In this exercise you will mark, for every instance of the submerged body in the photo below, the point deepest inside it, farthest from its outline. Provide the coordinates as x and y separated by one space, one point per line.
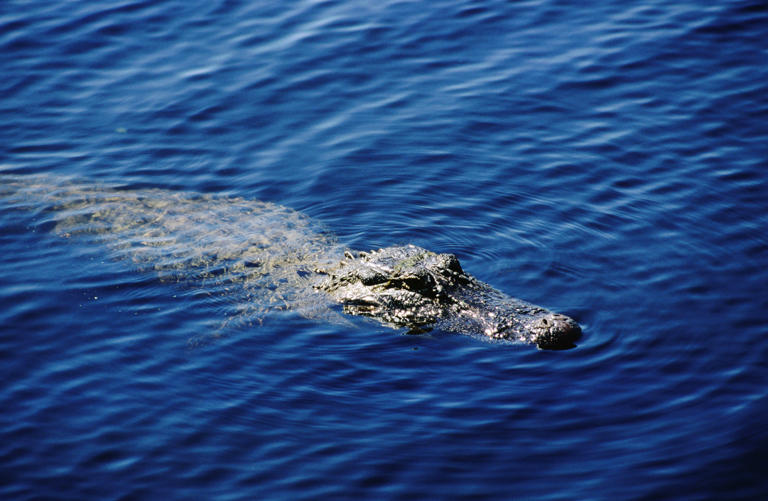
277 258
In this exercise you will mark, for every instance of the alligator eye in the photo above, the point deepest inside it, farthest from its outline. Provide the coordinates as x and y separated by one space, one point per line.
372 278
416 283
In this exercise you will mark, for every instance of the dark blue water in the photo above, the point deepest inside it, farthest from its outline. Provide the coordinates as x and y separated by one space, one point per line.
608 161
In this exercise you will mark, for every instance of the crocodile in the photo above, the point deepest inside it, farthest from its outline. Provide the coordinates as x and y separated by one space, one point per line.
266 257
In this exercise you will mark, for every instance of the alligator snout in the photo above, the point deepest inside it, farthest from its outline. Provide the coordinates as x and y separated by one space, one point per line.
555 332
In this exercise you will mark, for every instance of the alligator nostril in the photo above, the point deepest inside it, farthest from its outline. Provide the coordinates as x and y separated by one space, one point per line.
557 332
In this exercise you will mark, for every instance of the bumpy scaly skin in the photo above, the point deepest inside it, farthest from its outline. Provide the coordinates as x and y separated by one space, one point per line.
411 287
264 257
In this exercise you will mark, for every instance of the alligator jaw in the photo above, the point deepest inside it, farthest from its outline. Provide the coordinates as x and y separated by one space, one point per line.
498 316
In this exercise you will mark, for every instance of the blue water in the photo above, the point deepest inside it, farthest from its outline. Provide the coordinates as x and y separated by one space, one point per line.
605 160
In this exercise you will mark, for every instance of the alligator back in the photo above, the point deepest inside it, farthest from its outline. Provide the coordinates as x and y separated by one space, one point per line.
264 252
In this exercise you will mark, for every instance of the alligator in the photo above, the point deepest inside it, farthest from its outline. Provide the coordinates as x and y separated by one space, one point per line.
270 257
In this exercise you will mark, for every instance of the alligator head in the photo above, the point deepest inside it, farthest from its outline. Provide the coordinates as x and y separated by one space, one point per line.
414 288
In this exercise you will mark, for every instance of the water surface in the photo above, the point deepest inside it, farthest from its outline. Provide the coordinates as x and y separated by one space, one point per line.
607 162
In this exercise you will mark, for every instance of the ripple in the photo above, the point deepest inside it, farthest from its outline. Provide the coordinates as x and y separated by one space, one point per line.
604 162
